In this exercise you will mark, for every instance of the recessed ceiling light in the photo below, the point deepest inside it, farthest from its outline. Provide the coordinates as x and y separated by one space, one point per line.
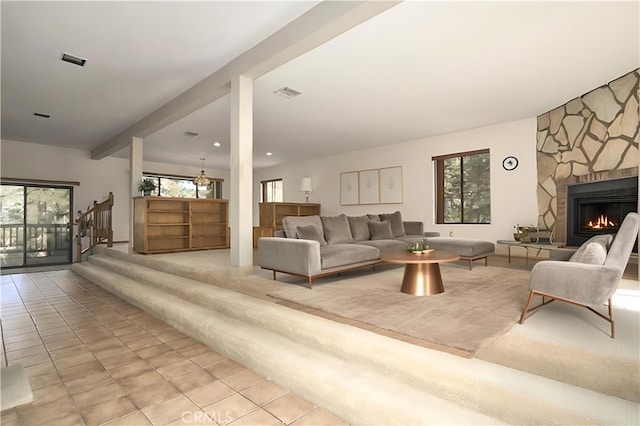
73 59
192 134
216 144
269 153
41 115
287 92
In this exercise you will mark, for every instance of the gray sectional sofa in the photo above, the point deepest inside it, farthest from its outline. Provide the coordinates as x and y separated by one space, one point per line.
315 246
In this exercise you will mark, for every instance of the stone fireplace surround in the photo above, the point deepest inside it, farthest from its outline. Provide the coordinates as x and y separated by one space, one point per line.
591 138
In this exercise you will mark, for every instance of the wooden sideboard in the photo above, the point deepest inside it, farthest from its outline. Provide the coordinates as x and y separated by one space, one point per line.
271 214
165 225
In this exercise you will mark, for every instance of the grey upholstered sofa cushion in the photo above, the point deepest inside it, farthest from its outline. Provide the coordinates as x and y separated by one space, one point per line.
386 245
334 255
468 247
380 230
397 227
413 239
310 232
290 223
359 228
336 229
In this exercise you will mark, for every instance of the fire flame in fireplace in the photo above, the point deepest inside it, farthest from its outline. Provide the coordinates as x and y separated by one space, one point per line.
601 223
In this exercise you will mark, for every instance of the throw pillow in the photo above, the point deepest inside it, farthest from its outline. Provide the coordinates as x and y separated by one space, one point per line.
593 251
310 232
397 227
374 217
359 227
380 230
336 229
290 223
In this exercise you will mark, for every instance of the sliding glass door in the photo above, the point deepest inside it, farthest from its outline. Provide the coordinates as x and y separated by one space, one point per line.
35 226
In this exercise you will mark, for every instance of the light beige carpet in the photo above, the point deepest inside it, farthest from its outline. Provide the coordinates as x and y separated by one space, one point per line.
476 308
570 344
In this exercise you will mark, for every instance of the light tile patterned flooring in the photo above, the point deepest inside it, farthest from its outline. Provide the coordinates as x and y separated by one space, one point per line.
93 359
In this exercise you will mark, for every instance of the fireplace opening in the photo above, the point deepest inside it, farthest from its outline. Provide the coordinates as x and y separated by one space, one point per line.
599 208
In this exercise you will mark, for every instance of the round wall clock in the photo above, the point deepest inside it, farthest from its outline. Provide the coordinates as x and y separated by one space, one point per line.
510 163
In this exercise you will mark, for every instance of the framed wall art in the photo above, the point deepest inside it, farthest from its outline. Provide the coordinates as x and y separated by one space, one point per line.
369 186
349 188
391 185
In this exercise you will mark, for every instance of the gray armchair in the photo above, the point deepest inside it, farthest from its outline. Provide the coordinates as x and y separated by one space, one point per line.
590 278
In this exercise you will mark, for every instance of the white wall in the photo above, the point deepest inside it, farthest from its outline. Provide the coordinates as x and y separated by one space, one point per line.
97 177
513 194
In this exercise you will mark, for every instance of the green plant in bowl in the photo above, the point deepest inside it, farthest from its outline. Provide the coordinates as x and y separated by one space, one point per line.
419 248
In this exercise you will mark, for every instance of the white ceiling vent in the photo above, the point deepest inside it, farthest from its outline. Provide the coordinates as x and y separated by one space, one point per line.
73 59
287 92
192 134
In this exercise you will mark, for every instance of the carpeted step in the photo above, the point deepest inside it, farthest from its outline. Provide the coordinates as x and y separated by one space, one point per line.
477 385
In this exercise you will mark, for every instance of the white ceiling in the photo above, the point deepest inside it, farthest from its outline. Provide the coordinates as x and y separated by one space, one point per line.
416 70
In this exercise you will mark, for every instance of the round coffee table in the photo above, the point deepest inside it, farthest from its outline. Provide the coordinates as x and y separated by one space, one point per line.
421 272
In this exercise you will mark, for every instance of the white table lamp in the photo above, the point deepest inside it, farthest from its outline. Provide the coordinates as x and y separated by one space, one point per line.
305 186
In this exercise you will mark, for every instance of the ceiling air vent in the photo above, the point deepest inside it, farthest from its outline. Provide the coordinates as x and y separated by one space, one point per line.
41 115
73 59
192 134
287 92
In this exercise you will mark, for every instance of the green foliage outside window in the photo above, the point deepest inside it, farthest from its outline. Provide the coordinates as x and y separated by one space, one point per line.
183 187
464 192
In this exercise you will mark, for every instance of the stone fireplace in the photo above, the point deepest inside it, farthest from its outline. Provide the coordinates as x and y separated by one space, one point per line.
591 139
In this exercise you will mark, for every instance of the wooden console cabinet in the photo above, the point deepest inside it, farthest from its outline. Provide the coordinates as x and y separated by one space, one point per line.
271 214
166 225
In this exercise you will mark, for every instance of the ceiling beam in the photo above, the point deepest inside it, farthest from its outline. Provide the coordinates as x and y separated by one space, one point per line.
315 27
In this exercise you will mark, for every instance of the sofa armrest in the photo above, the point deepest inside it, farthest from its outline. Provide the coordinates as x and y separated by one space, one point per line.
578 282
413 227
289 255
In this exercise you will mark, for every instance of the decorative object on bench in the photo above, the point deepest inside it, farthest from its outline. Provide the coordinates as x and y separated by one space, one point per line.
557 251
590 277
521 233
532 234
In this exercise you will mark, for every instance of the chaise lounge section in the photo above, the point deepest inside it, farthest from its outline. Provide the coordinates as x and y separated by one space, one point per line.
468 249
317 246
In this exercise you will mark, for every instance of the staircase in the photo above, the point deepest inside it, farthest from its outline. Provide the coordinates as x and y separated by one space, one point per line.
360 376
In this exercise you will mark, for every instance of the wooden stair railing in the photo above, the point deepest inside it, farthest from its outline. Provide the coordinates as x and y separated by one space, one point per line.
95 225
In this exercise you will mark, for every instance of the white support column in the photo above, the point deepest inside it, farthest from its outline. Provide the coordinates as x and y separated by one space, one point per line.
135 168
240 201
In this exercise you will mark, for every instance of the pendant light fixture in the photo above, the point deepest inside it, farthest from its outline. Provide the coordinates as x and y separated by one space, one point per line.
201 179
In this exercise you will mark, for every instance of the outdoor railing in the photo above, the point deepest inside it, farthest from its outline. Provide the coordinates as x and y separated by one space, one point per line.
40 238
94 227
